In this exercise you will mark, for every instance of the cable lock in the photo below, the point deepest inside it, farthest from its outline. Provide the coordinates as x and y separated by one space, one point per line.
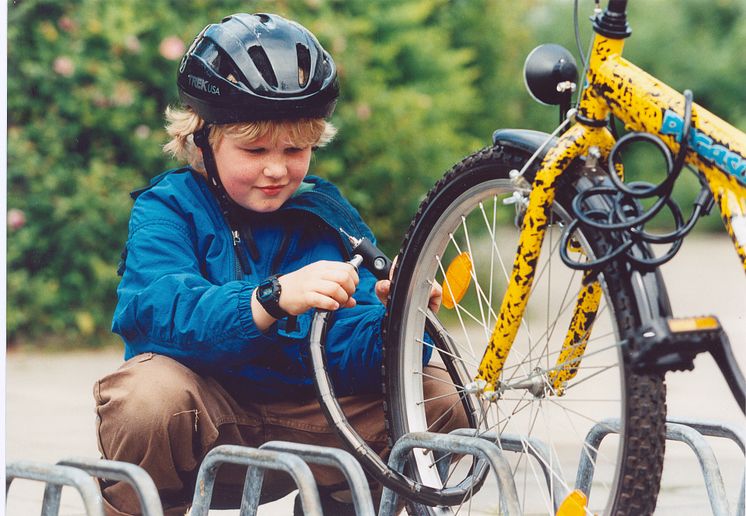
623 215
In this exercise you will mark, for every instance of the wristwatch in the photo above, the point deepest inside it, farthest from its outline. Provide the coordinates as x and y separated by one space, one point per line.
268 294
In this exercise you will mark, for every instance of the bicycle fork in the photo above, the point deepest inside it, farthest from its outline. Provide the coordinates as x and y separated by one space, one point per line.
575 142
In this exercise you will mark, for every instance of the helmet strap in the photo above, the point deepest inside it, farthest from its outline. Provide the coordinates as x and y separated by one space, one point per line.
227 205
201 139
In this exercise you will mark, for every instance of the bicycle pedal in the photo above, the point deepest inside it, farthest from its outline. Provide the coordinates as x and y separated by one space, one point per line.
671 344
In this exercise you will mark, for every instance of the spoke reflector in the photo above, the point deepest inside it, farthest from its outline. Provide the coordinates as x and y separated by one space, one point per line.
457 281
574 504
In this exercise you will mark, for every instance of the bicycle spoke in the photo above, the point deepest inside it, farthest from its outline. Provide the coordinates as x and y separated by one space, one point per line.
549 296
485 323
581 436
473 364
585 379
445 412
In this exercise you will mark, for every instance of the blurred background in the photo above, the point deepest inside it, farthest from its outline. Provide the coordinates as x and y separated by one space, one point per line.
424 83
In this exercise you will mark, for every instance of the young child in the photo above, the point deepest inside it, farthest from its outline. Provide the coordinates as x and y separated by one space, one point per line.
225 261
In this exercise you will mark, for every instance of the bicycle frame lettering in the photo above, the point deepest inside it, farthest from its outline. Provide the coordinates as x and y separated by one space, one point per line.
703 145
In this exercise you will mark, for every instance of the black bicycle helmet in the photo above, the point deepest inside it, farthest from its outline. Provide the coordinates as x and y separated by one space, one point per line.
253 67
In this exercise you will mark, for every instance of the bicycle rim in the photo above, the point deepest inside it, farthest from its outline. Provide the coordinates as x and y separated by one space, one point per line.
543 434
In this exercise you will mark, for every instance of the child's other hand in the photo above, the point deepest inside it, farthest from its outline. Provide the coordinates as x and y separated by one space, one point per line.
383 287
325 285
436 294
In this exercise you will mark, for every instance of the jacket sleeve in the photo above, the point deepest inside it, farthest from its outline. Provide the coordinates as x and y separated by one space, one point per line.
166 305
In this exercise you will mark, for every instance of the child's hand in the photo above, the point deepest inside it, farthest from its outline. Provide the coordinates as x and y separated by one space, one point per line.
326 285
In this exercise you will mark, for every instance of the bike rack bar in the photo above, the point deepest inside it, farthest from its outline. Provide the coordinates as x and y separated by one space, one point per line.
586 465
708 463
57 476
453 444
144 487
532 446
726 430
675 431
336 458
257 461
722 429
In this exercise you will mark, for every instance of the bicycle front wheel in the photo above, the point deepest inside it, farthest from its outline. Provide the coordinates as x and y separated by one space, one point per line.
471 220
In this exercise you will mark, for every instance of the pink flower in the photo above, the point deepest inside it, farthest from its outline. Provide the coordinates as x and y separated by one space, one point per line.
67 24
16 219
172 48
64 66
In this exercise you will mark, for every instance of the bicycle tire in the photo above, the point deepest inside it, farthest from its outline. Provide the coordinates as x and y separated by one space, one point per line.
634 462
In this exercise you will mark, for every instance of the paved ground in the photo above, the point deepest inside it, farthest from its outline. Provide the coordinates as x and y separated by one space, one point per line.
49 407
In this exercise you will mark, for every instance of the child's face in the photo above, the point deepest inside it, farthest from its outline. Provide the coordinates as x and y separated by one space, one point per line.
260 175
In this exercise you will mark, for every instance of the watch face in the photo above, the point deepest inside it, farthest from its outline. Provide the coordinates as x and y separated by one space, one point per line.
266 291
268 294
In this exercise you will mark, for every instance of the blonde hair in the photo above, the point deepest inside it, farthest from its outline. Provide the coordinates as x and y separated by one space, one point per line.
181 124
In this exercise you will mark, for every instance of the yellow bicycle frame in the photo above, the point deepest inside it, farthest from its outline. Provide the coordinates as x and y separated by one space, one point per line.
643 103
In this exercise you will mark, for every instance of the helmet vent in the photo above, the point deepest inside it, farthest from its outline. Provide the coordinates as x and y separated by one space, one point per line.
218 61
304 64
259 56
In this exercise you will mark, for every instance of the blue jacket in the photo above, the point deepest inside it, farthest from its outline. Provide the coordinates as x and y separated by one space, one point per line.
183 294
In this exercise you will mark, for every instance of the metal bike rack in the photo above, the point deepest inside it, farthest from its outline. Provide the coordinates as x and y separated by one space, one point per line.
690 432
147 494
256 461
58 476
292 458
459 444
725 430
336 458
81 473
533 447
276 455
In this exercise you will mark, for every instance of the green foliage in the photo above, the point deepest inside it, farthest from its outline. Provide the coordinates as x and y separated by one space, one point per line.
424 82
87 86
90 81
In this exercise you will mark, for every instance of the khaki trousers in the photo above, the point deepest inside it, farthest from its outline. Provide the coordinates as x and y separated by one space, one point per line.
157 413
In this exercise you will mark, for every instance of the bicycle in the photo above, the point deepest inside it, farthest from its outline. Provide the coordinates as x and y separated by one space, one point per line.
509 218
